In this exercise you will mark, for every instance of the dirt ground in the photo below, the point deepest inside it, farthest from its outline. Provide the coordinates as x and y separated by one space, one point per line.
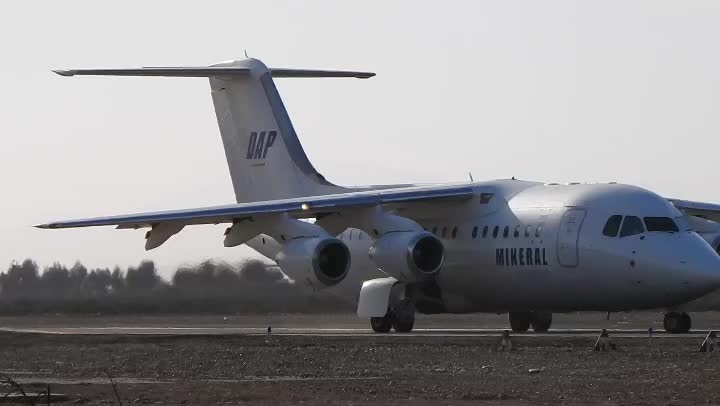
392 369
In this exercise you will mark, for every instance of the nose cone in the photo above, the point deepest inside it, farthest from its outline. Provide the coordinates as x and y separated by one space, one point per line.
703 265
705 271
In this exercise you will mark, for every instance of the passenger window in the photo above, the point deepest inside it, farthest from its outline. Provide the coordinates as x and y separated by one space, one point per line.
495 231
631 226
444 232
454 232
612 226
660 224
474 232
516 234
527 231
485 231
506 232
538 231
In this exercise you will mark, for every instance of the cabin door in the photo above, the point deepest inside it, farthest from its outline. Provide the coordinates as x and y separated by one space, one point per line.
568 234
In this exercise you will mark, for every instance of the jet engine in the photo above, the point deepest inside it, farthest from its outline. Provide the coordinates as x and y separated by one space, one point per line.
319 261
408 256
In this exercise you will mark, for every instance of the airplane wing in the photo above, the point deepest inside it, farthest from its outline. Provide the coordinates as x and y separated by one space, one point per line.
296 207
707 211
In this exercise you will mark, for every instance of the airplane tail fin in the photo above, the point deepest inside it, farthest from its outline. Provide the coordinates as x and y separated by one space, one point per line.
264 154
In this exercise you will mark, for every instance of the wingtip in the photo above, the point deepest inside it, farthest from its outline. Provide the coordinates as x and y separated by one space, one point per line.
365 75
64 72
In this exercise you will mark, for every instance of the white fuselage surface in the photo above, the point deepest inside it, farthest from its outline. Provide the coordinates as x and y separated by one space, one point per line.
541 246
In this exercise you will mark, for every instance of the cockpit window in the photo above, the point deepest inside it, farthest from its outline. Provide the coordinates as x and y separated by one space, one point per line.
660 224
612 226
631 226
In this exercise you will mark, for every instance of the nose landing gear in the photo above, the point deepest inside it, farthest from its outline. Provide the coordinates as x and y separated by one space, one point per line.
520 322
541 321
677 323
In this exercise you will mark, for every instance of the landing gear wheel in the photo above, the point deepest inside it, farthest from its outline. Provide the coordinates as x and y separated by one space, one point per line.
519 321
541 321
677 323
403 316
381 324
686 322
403 325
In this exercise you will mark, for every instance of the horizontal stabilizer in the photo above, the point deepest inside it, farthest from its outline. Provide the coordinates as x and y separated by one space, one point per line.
213 71
309 73
198 72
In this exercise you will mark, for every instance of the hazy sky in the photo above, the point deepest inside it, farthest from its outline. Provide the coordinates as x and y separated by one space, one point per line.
552 91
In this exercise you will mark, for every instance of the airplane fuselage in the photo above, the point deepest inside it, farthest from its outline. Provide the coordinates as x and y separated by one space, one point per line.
536 246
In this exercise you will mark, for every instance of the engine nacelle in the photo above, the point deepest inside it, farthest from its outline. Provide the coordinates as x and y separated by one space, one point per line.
408 256
319 261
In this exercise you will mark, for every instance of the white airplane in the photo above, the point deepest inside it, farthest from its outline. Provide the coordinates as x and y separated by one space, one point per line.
525 248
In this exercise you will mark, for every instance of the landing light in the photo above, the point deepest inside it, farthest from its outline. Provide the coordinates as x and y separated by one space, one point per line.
305 206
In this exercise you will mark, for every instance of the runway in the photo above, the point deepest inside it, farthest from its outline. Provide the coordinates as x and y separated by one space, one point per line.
331 332
634 325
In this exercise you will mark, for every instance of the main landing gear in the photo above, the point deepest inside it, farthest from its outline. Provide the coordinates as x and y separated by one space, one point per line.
520 322
677 323
400 316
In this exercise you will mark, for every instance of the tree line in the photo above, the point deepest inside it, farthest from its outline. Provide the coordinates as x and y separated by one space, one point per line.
208 287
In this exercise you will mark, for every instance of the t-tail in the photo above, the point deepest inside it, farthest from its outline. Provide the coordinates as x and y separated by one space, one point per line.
264 154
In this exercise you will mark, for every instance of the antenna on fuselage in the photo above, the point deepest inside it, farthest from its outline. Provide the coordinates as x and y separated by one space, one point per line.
471 178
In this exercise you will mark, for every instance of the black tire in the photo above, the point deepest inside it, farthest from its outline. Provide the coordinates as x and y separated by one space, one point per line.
677 323
671 322
685 323
403 316
381 324
519 321
541 321
403 325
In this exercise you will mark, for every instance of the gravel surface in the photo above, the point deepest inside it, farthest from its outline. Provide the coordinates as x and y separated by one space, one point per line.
395 369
